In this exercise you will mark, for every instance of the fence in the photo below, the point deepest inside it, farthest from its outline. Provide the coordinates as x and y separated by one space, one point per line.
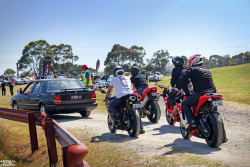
72 149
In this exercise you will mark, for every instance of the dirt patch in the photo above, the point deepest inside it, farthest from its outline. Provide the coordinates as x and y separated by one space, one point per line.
163 139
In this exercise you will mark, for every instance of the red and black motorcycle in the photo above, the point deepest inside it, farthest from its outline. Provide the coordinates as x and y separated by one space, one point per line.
130 118
209 125
149 106
171 119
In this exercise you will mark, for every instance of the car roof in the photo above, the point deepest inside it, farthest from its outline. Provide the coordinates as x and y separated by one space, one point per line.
55 79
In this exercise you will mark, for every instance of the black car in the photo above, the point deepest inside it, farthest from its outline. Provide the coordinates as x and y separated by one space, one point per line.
54 96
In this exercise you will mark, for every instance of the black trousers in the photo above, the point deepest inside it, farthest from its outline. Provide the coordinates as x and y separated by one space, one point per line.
11 91
171 97
3 91
188 103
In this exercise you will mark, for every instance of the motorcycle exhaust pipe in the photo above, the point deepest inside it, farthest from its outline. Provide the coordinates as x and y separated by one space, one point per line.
144 102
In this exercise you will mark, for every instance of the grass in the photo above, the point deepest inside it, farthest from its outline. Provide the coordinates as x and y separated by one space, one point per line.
233 82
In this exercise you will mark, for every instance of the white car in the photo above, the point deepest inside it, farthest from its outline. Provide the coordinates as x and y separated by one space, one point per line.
153 77
160 75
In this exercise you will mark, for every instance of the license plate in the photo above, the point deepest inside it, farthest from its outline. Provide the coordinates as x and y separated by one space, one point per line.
136 105
76 97
217 103
154 93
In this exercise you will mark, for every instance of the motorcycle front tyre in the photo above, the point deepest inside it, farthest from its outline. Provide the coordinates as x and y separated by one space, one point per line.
135 127
216 132
155 111
169 118
184 132
111 125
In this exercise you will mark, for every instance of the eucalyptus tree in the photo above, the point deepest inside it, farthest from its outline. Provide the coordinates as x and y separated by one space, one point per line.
33 56
125 57
160 60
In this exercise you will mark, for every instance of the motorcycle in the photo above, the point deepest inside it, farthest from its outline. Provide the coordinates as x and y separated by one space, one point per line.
169 109
209 124
130 117
149 104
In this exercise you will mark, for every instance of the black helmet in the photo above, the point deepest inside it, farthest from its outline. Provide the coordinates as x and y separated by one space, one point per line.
178 61
118 70
134 70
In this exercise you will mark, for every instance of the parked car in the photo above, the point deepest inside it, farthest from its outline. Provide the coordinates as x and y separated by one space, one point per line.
105 83
18 81
54 96
160 75
25 80
153 77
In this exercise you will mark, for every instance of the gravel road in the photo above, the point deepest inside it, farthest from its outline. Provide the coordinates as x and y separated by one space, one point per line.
163 139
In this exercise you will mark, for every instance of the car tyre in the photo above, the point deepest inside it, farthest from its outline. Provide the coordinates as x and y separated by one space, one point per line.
42 108
15 106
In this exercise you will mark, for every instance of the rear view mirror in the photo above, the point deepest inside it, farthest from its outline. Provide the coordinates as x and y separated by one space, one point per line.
161 86
20 91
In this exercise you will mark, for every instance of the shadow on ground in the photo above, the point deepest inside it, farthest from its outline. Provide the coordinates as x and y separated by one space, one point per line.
181 145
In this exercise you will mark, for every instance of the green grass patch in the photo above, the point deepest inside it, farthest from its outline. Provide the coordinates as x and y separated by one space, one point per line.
233 82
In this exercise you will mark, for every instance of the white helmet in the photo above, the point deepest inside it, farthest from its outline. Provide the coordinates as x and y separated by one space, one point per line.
195 60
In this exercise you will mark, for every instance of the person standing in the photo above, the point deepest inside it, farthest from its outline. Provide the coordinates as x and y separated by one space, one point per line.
86 77
11 88
3 85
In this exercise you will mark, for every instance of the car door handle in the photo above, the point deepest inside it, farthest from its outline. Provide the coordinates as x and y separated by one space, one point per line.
38 95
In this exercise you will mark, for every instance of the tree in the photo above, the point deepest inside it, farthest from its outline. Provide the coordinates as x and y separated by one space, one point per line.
160 60
33 55
9 71
125 57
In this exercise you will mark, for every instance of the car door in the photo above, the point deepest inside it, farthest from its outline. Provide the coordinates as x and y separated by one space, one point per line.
23 101
35 96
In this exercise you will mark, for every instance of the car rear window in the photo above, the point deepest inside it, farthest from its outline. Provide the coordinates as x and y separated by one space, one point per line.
58 85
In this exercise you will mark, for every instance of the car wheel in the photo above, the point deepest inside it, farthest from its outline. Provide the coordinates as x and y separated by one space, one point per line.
15 106
43 109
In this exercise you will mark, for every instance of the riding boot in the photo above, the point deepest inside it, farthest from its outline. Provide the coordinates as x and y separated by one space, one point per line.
191 126
174 111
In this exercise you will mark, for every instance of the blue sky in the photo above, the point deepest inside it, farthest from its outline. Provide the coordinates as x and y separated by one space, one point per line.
92 27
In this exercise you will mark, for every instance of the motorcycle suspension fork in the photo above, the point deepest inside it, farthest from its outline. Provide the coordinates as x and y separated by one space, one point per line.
184 121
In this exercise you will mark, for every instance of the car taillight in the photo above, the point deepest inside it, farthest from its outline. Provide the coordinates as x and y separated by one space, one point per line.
57 99
154 89
93 97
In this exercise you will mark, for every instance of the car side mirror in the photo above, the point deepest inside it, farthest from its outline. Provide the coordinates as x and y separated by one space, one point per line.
20 91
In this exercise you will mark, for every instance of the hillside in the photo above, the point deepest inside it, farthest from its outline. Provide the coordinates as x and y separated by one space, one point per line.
233 82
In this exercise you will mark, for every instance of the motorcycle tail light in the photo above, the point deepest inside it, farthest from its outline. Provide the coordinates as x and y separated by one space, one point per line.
93 97
57 99
154 89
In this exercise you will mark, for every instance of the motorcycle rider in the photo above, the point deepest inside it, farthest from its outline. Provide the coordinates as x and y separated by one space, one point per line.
202 81
122 85
138 80
175 82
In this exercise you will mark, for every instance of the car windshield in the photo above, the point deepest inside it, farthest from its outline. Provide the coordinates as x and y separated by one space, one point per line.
58 85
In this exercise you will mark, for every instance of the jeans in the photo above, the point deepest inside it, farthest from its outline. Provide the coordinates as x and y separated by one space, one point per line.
188 103
171 98
115 105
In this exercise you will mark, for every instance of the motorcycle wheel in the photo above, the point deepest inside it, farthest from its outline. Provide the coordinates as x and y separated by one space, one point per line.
214 125
135 126
184 132
169 118
111 125
155 111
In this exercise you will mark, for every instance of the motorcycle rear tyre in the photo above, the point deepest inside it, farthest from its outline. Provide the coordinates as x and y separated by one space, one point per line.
135 128
216 134
111 125
169 118
155 111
